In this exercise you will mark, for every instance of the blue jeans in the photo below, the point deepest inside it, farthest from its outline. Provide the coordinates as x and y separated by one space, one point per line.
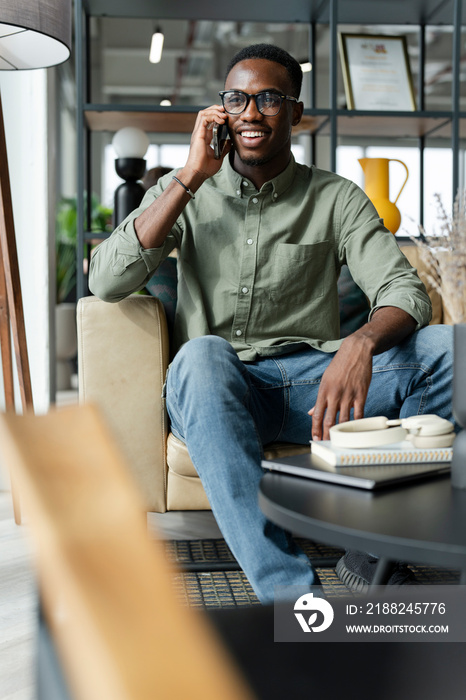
225 410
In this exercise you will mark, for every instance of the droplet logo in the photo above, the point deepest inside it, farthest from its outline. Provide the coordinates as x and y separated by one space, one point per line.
312 605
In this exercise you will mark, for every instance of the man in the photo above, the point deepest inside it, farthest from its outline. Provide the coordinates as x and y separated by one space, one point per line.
261 242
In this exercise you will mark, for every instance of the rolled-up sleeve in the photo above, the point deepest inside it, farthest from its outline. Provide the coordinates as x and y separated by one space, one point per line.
376 262
120 265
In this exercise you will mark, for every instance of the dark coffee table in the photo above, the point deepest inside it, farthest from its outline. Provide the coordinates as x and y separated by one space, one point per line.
420 523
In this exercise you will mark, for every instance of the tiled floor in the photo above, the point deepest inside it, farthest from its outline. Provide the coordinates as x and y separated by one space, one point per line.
18 605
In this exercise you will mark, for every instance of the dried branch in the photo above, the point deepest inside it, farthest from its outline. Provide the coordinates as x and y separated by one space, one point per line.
444 255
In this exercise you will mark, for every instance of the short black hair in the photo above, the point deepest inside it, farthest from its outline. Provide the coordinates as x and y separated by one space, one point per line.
270 52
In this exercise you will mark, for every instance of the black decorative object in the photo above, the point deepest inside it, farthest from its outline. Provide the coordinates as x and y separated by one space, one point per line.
129 194
130 145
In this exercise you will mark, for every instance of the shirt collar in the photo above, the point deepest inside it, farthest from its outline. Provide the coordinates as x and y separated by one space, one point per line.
235 183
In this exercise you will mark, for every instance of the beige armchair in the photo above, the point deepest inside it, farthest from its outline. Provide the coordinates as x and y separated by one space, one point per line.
123 357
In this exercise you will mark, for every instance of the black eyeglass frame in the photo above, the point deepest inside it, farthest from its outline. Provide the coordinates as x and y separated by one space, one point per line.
248 96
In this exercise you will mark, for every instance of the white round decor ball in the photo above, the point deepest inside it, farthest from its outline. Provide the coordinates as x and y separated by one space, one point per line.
130 142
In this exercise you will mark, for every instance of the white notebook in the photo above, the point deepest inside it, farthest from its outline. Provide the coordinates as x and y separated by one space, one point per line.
396 453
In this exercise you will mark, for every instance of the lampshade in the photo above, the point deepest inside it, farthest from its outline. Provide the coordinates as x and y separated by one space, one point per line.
130 142
34 33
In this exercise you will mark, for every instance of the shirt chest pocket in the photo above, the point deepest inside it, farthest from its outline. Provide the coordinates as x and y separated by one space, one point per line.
299 271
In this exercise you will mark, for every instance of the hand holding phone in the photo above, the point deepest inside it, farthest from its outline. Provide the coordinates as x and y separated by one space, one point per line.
220 136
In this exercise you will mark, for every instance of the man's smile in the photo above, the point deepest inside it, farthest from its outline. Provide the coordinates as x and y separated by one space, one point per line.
252 137
252 134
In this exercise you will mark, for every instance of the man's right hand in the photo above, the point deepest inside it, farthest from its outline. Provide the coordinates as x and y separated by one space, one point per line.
201 159
154 224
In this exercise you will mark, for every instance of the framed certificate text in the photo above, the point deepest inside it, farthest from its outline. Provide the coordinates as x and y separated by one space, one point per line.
376 72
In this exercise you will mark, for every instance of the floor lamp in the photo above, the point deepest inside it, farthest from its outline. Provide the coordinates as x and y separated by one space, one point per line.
33 34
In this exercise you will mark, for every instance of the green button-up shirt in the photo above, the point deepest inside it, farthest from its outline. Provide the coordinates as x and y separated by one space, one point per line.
260 268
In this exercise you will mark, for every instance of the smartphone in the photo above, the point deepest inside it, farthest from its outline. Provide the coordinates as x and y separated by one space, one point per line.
219 137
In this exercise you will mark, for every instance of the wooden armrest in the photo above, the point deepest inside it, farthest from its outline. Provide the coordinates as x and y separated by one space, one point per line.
107 593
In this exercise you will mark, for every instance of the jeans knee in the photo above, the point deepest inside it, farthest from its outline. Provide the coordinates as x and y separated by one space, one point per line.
438 340
204 360
440 332
431 341
206 347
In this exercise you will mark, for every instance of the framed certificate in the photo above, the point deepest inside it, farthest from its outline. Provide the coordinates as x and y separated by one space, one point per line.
376 72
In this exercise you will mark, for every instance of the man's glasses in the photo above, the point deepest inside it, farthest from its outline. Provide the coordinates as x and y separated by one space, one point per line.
268 103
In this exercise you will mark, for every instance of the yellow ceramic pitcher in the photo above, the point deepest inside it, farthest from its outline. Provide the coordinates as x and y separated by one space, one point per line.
376 186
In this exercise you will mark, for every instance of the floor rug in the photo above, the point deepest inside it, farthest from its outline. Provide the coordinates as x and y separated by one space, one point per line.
209 575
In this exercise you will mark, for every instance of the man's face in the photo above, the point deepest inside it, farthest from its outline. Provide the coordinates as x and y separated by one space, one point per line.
260 139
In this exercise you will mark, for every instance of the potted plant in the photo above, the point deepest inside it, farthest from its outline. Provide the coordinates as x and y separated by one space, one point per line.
65 310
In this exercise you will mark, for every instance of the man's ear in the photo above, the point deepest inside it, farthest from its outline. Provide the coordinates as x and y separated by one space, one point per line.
298 108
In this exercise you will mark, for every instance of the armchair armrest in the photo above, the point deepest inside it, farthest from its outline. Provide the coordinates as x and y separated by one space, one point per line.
122 358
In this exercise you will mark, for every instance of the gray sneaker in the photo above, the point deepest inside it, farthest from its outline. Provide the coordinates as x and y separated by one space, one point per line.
356 570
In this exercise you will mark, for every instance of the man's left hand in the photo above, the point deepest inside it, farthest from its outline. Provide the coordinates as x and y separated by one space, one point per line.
344 386
345 382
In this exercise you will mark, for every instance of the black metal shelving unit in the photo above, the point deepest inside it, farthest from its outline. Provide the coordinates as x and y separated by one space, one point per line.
331 122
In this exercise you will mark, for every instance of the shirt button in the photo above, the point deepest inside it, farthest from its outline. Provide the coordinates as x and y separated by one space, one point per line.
245 184
249 241
275 195
245 290
239 332
255 200
238 191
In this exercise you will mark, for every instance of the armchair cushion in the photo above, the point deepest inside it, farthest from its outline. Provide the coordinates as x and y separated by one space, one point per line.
183 493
